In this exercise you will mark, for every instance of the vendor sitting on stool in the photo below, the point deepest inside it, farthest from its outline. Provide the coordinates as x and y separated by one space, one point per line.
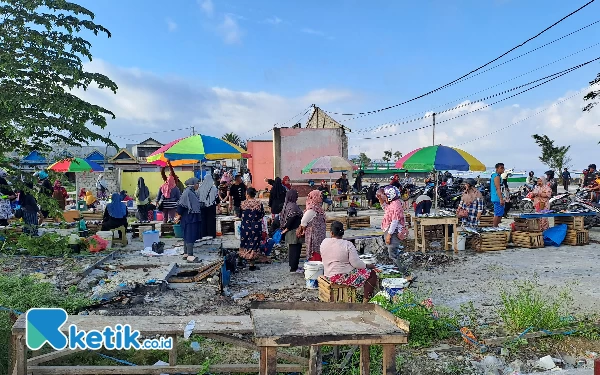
343 266
115 215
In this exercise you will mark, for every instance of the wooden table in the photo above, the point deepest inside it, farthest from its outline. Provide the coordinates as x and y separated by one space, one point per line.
219 328
422 222
316 324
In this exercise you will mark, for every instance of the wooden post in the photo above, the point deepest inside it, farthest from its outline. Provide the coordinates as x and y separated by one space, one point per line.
173 352
315 361
271 360
446 229
455 239
423 237
389 360
336 352
365 360
20 357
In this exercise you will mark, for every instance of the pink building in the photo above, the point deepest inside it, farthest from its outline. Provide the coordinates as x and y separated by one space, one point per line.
261 163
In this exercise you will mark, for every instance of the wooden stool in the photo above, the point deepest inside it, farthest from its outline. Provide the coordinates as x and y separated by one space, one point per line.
122 231
329 292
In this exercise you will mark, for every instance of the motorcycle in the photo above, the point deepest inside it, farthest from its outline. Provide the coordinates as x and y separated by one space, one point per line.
580 205
560 202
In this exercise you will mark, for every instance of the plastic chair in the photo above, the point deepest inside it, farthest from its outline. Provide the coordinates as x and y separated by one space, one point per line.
120 230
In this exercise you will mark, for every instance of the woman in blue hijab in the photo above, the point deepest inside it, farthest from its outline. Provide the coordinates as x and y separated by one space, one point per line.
115 214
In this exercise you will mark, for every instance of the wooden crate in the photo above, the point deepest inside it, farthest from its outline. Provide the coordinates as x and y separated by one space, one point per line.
431 231
577 237
343 220
359 222
530 240
491 241
486 221
88 215
167 230
135 228
408 219
527 225
329 292
572 222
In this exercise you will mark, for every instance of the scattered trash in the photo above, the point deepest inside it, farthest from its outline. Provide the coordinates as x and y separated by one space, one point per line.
161 363
546 363
240 295
195 346
189 328
433 355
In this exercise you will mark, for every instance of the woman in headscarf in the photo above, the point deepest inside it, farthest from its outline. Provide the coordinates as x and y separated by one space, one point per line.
142 200
277 197
30 210
115 214
471 205
380 195
287 182
101 186
167 198
393 224
90 200
224 191
207 194
172 173
312 226
290 219
541 197
60 194
6 195
188 208
81 195
252 228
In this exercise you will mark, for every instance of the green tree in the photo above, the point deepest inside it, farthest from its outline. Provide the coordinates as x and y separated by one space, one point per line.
235 139
387 156
364 160
397 155
592 95
41 68
553 156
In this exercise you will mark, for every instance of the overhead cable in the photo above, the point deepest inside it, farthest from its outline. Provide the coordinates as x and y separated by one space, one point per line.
301 114
472 71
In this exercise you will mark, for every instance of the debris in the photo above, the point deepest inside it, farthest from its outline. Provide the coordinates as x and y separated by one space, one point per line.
546 363
257 297
240 295
433 355
189 328
197 275
195 346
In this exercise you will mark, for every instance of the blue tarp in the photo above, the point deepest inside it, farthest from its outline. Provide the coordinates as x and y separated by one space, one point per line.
555 235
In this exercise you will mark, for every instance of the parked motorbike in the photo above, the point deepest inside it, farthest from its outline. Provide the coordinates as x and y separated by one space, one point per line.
580 205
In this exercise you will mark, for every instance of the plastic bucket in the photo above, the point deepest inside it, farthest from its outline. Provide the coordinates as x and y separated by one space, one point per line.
178 231
159 216
394 286
106 235
312 271
142 229
150 237
238 229
461 241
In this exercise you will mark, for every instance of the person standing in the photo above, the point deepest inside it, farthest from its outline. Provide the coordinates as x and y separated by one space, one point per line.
471 205
30 210
207 194
60 194
313 226
167 198
566 176
237 194
496 194
393 224
290 219
188 208
142 200
277 196
252 213
101 187
46 189
541 198
551 181
358 181
6 195
326 195
342 183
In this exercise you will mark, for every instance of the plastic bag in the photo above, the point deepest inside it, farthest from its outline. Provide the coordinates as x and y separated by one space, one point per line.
97 243
277 236
555 235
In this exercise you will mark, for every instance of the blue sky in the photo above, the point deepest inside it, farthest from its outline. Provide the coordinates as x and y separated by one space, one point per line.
243 66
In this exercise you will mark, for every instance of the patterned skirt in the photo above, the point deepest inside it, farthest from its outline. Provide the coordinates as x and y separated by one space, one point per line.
355 278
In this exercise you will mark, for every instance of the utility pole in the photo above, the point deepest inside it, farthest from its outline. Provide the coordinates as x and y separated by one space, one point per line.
434 128
193 131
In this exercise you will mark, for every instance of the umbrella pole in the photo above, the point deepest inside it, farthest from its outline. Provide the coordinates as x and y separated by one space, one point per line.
435 195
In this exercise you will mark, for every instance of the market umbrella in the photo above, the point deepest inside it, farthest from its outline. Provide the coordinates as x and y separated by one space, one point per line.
439 158
75 165
329 164
195 148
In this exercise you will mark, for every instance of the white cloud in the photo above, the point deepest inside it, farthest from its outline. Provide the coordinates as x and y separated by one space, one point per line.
274 20
207 7
171 25
146 102
230 30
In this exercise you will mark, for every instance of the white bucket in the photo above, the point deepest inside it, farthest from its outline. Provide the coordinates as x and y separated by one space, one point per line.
312 271
461 241
106 235
238 229
150 237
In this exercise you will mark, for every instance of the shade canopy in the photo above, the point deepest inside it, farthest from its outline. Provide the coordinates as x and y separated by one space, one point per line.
75 165
439 158
195 148
329 164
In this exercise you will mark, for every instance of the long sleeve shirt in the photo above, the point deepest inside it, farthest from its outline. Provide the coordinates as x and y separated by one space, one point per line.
308 217
339 256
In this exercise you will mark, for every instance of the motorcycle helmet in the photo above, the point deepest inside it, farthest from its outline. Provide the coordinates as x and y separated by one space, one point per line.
531 173
550 174
471 182
42 175
592 166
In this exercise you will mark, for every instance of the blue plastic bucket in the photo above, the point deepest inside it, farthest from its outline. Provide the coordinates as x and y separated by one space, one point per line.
178 230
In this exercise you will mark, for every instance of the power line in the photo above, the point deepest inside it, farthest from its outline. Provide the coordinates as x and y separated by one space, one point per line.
301 114
472 71
528 117
488 105
397 122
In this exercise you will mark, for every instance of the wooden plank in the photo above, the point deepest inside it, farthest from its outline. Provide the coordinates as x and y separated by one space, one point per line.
173 352
89 270
400 323
157 370
288 341
51 356
20 365
315 362
251 346
389 360
271 360
365 360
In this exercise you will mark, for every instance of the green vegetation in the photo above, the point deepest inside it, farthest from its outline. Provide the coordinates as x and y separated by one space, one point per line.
49 244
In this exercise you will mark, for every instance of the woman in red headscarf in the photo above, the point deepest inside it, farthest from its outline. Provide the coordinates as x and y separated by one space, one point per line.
313 225
287 182
60 194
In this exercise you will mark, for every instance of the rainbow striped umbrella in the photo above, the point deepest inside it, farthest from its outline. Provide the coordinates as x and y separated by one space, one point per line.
195 148
439 158
329 164
75 165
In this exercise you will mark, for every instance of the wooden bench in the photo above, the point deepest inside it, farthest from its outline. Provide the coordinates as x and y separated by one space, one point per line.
329 292
167 230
